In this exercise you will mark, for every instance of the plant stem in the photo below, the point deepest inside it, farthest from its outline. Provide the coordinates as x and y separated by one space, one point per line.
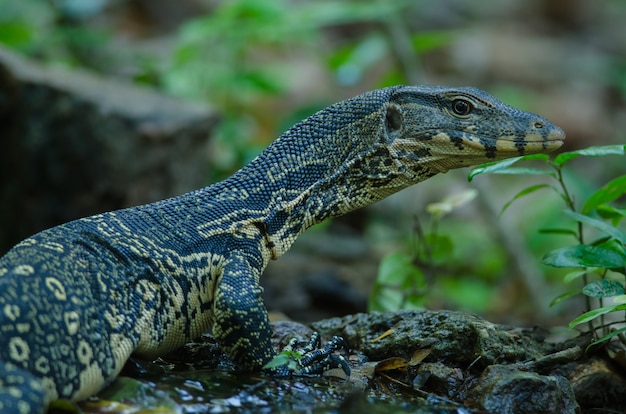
569 201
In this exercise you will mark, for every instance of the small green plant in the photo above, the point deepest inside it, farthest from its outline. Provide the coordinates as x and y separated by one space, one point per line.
288 359
600 263
404 277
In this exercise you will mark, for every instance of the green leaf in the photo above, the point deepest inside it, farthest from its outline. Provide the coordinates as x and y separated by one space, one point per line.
613 245
451 202
426 41
493 167
564 296
397 278
352 63
595 151
385 298
565 232
261 81
603 288
607 337
524 192
523 171
592 314
285 358
584 256
598 224
617 247
396 268
413 301
473 295
620 299
611 213
16 34
441 247
571 276
609 192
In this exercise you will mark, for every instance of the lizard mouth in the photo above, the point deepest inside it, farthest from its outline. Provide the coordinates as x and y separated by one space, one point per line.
546 139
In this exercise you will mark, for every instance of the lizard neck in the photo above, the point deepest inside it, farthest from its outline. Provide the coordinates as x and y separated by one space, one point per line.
308 174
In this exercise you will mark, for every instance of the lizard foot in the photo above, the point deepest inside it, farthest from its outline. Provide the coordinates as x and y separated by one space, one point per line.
315 359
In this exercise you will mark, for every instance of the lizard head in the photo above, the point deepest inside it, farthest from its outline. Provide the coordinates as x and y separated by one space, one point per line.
363 149
434 129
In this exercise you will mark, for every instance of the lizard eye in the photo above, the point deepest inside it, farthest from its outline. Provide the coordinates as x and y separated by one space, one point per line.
461 107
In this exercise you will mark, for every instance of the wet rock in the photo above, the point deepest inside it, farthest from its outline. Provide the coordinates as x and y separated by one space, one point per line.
475 363
506 389
75 144
438 378
598 384
456 337
284 330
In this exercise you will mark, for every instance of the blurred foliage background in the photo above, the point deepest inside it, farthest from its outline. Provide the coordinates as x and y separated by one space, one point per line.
265 64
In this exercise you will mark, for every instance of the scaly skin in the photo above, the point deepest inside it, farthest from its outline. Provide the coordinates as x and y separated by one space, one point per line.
78 299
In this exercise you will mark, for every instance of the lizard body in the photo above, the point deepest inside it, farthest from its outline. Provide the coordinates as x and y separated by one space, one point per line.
78 299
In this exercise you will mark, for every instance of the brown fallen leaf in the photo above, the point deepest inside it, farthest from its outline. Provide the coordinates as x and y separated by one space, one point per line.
418 356
391 364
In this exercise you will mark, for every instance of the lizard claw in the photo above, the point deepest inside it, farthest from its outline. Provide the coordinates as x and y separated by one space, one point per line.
316 360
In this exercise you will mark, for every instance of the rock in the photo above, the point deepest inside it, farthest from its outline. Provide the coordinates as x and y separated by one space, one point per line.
285 330
459 338
506 389
598 384
75 144
468 361
440 378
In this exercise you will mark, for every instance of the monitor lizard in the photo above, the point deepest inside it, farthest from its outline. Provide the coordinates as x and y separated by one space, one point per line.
78 299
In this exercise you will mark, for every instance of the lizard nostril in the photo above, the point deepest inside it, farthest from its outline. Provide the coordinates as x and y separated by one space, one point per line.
538 124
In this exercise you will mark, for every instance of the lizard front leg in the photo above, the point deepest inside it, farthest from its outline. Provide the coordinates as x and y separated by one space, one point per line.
243 330
241 323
